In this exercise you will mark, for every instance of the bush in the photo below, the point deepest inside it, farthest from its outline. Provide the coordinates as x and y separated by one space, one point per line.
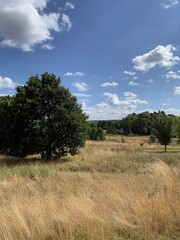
152 139
96 133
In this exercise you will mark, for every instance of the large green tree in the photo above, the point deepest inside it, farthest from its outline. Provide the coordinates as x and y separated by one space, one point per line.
178 130
5 119
163 129
44 119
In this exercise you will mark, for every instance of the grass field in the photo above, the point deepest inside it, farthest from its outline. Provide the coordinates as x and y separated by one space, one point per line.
112 190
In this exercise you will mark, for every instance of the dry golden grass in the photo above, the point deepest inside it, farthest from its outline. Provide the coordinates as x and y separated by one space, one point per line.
110 191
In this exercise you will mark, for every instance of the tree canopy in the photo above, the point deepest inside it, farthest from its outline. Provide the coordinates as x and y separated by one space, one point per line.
44 118
163 129
136 124
95 133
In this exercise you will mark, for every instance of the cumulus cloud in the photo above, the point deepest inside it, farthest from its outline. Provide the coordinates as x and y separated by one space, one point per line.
76 74
105 111
81 86
173 75
6 83
102 105
69 5
133 84
130 73
66 23
172 111
171 3
160 56
113 98
139 101
114 107
130 95
129 102
24 24
108 84
177 90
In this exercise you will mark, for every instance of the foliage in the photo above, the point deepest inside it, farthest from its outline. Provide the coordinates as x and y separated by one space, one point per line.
178 130
96 133
135 124
163 129
5 118
152 138
111 126
100 134
43 118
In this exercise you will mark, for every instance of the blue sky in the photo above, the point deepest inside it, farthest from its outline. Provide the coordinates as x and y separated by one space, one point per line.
116 57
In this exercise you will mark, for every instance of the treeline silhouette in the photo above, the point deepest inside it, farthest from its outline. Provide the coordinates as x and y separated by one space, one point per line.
136 124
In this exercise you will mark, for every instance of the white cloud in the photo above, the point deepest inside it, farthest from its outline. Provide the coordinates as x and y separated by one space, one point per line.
47 46
66 23
114 108
76 74
108 84
6 83
133 84
81 86
160 56
102 105
171 3
177 90
138 101
113 98
24 24
81 95
69 5
104 111
130 95
172 111
173 75
129 102
130 73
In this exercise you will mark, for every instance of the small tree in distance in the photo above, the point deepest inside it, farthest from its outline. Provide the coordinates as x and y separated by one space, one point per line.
44 118
95 133
163 129
178 130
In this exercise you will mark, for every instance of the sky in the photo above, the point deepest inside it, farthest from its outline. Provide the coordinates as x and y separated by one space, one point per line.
117 57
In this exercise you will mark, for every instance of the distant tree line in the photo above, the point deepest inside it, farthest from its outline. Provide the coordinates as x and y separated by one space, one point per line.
138 124
157 125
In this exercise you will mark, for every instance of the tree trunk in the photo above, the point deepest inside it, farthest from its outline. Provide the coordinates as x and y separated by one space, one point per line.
165 146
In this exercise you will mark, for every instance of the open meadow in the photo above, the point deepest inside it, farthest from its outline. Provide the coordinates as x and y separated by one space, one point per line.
119 189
